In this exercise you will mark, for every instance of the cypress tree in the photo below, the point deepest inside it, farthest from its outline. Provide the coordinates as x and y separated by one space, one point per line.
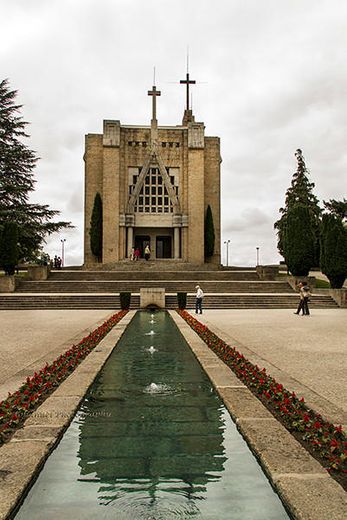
17 163
95 231
299 240
9 247
333 259
300 193
209 233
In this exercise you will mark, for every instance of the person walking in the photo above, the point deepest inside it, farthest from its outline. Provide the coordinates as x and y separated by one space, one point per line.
147 252
198 299
304 293
301 300
306 298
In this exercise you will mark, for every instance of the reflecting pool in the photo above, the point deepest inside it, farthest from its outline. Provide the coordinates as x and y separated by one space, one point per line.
152 441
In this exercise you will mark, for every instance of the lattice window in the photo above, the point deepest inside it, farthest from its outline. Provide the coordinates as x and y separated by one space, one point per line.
153 196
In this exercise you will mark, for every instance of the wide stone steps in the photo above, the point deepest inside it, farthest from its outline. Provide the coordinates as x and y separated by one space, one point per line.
174 285
111 301
220 275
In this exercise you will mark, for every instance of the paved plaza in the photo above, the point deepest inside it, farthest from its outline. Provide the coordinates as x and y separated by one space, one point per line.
29 339
306 354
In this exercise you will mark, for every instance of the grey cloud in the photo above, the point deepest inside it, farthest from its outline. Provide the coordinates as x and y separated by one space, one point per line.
274 76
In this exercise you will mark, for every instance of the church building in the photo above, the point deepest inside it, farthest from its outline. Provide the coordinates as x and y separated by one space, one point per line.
156 183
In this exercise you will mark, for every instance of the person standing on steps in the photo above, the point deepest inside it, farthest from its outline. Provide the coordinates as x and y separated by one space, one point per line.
147 252
198 299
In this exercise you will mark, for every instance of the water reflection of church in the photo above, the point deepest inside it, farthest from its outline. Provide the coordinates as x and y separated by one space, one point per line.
171 441
156 183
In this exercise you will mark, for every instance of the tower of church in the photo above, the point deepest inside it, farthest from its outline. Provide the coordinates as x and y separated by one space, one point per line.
156 183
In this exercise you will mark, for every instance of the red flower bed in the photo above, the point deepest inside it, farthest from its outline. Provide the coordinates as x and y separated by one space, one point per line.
18 405
324 437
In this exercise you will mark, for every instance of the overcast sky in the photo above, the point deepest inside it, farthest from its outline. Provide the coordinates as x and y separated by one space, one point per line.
271 77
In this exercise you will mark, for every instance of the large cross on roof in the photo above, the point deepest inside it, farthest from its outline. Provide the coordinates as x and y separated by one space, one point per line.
187 82
154 93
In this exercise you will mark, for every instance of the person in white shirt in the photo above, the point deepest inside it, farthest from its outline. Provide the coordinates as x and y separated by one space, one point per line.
198 302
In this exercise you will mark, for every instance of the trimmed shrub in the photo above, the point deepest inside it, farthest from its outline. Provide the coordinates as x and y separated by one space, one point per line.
209 233
124 298
96 228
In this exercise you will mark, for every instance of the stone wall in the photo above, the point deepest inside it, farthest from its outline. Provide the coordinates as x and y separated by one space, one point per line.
212 190
93 158
7 284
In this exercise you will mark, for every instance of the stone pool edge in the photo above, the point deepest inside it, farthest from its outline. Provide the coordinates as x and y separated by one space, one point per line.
306 489
22 458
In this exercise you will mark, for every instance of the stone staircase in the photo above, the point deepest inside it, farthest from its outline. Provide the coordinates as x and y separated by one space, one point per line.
170 286
20 301
225 288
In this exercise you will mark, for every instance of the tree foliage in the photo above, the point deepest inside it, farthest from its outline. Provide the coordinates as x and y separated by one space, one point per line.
299 194
17 163
95 231
337 208
333 260
299 240
209 233
9 247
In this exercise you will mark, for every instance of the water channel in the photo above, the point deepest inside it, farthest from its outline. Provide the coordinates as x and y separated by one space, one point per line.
152 441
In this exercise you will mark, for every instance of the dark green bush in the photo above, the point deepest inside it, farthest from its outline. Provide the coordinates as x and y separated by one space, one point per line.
124 298
9 247
96 226
182 300
209 233
333 259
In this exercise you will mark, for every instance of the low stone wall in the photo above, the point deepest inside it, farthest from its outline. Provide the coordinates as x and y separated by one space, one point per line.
152 296
38 272
340 296
267 272
7 284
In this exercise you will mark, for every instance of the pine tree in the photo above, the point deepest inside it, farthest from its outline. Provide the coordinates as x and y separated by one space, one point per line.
333 260
17 163
96 228
300 192
209 233
9 247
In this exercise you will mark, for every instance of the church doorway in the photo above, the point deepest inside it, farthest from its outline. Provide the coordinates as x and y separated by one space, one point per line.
163 247
141 241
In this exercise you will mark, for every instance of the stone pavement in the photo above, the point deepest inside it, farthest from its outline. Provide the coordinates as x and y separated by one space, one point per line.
29 339
307 354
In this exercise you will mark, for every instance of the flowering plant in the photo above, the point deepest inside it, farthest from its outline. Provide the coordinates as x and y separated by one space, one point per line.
324 438
18 405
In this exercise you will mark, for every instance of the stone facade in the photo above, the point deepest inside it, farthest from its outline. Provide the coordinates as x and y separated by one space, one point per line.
155 184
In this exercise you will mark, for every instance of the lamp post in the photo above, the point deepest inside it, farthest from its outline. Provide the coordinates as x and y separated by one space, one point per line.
257 248
227 242
62 240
